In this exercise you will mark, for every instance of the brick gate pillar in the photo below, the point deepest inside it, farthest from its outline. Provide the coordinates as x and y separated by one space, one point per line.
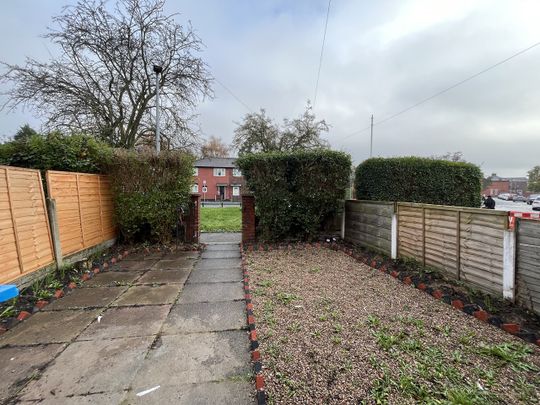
248 218
193 230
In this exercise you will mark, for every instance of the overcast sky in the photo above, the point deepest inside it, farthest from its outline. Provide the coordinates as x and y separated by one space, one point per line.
380 58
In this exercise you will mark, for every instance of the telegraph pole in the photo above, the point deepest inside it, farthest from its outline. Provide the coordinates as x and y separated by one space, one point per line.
371 143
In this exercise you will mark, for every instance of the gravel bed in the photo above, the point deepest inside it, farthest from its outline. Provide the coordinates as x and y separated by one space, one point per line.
332 330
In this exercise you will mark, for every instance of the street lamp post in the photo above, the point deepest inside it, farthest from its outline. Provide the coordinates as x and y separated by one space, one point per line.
157 70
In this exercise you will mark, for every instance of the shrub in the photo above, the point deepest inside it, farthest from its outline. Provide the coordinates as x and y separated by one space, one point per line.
148 190
55 151
295 192
419 180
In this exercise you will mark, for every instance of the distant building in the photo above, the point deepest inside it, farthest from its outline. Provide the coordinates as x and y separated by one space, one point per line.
218 179
498 185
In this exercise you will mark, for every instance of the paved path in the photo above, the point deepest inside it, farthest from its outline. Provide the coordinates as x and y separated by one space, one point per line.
176 321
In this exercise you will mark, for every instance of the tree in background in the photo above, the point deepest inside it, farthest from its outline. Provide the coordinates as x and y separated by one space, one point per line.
103 81
451 157
214 148
534 179
259 133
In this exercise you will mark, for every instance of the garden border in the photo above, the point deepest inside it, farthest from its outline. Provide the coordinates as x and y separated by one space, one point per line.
413 281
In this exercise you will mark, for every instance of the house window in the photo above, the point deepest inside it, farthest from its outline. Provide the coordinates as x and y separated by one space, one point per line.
195 171
219 171
195 188
236 172
236 191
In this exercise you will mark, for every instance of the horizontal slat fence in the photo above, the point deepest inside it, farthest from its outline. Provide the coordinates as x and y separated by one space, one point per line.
528 264
84 209
466 243
369 224
25 238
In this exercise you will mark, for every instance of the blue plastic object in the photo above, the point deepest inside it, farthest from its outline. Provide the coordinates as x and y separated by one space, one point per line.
8 292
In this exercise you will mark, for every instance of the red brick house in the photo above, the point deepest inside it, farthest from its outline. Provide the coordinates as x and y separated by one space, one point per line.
218 179
499 185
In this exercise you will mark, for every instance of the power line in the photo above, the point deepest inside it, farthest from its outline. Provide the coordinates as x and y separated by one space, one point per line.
235 96
322 53
445 90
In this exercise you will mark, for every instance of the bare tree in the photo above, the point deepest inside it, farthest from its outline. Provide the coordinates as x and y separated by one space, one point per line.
103 81
214 148
259 133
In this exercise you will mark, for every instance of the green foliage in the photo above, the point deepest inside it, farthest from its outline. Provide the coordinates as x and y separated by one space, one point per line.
419 180
295 192
54 151
148 190
534 179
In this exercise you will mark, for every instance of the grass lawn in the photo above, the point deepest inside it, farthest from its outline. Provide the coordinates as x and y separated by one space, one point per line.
221 219
333 330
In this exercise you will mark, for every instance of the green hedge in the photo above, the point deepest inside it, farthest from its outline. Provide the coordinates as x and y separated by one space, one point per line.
148 191
419 180
295 192
55 151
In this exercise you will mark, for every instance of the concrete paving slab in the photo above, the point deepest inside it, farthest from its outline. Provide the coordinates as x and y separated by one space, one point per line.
205 317
19 364
88 399
221 254
222 392
148 295
91 367
211 292
231 237
127 322
194 358
49 327
215 275
134 265
175 264
87 298
222 246
165 277
144 256
218 263
181 255
112 279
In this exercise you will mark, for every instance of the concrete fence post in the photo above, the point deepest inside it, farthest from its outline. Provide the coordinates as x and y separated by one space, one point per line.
55 232
343 220
193 230
394 236
509 264
248 218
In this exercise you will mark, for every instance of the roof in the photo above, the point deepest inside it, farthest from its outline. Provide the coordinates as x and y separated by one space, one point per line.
216 162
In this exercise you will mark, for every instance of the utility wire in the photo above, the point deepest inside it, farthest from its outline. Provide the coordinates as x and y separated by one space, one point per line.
322 54
445 90
235 96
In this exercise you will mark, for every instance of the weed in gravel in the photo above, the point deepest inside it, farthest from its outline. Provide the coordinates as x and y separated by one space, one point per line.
323 317
527 391
273 350
294 327
486 375
381 388
510 353
411 345
373 320
338 328
314 270
265 283
385 340
286 298
464 395
316 334
466 339
336 340
445 330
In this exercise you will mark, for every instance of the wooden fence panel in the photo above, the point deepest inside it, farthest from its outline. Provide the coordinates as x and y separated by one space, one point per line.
441 239
411 231
84 209
25 238
528 264
369 224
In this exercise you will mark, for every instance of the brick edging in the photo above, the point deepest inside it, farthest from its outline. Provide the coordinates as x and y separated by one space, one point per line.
58 294
415 282
254 343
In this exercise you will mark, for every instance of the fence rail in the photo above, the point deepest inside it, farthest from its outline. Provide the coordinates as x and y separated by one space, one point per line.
25 238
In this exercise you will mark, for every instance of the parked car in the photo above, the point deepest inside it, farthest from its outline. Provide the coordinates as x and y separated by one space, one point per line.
503 196
532 197
519 198
536 204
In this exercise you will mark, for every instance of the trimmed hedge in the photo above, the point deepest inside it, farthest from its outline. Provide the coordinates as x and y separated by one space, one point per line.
148 190
420 180
295 192
56 151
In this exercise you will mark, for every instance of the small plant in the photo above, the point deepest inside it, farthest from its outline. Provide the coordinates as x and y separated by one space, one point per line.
374 321
286 298
510 353
294 327
315 270
467 338
385 340
266 283
336 340
338 328
8 312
